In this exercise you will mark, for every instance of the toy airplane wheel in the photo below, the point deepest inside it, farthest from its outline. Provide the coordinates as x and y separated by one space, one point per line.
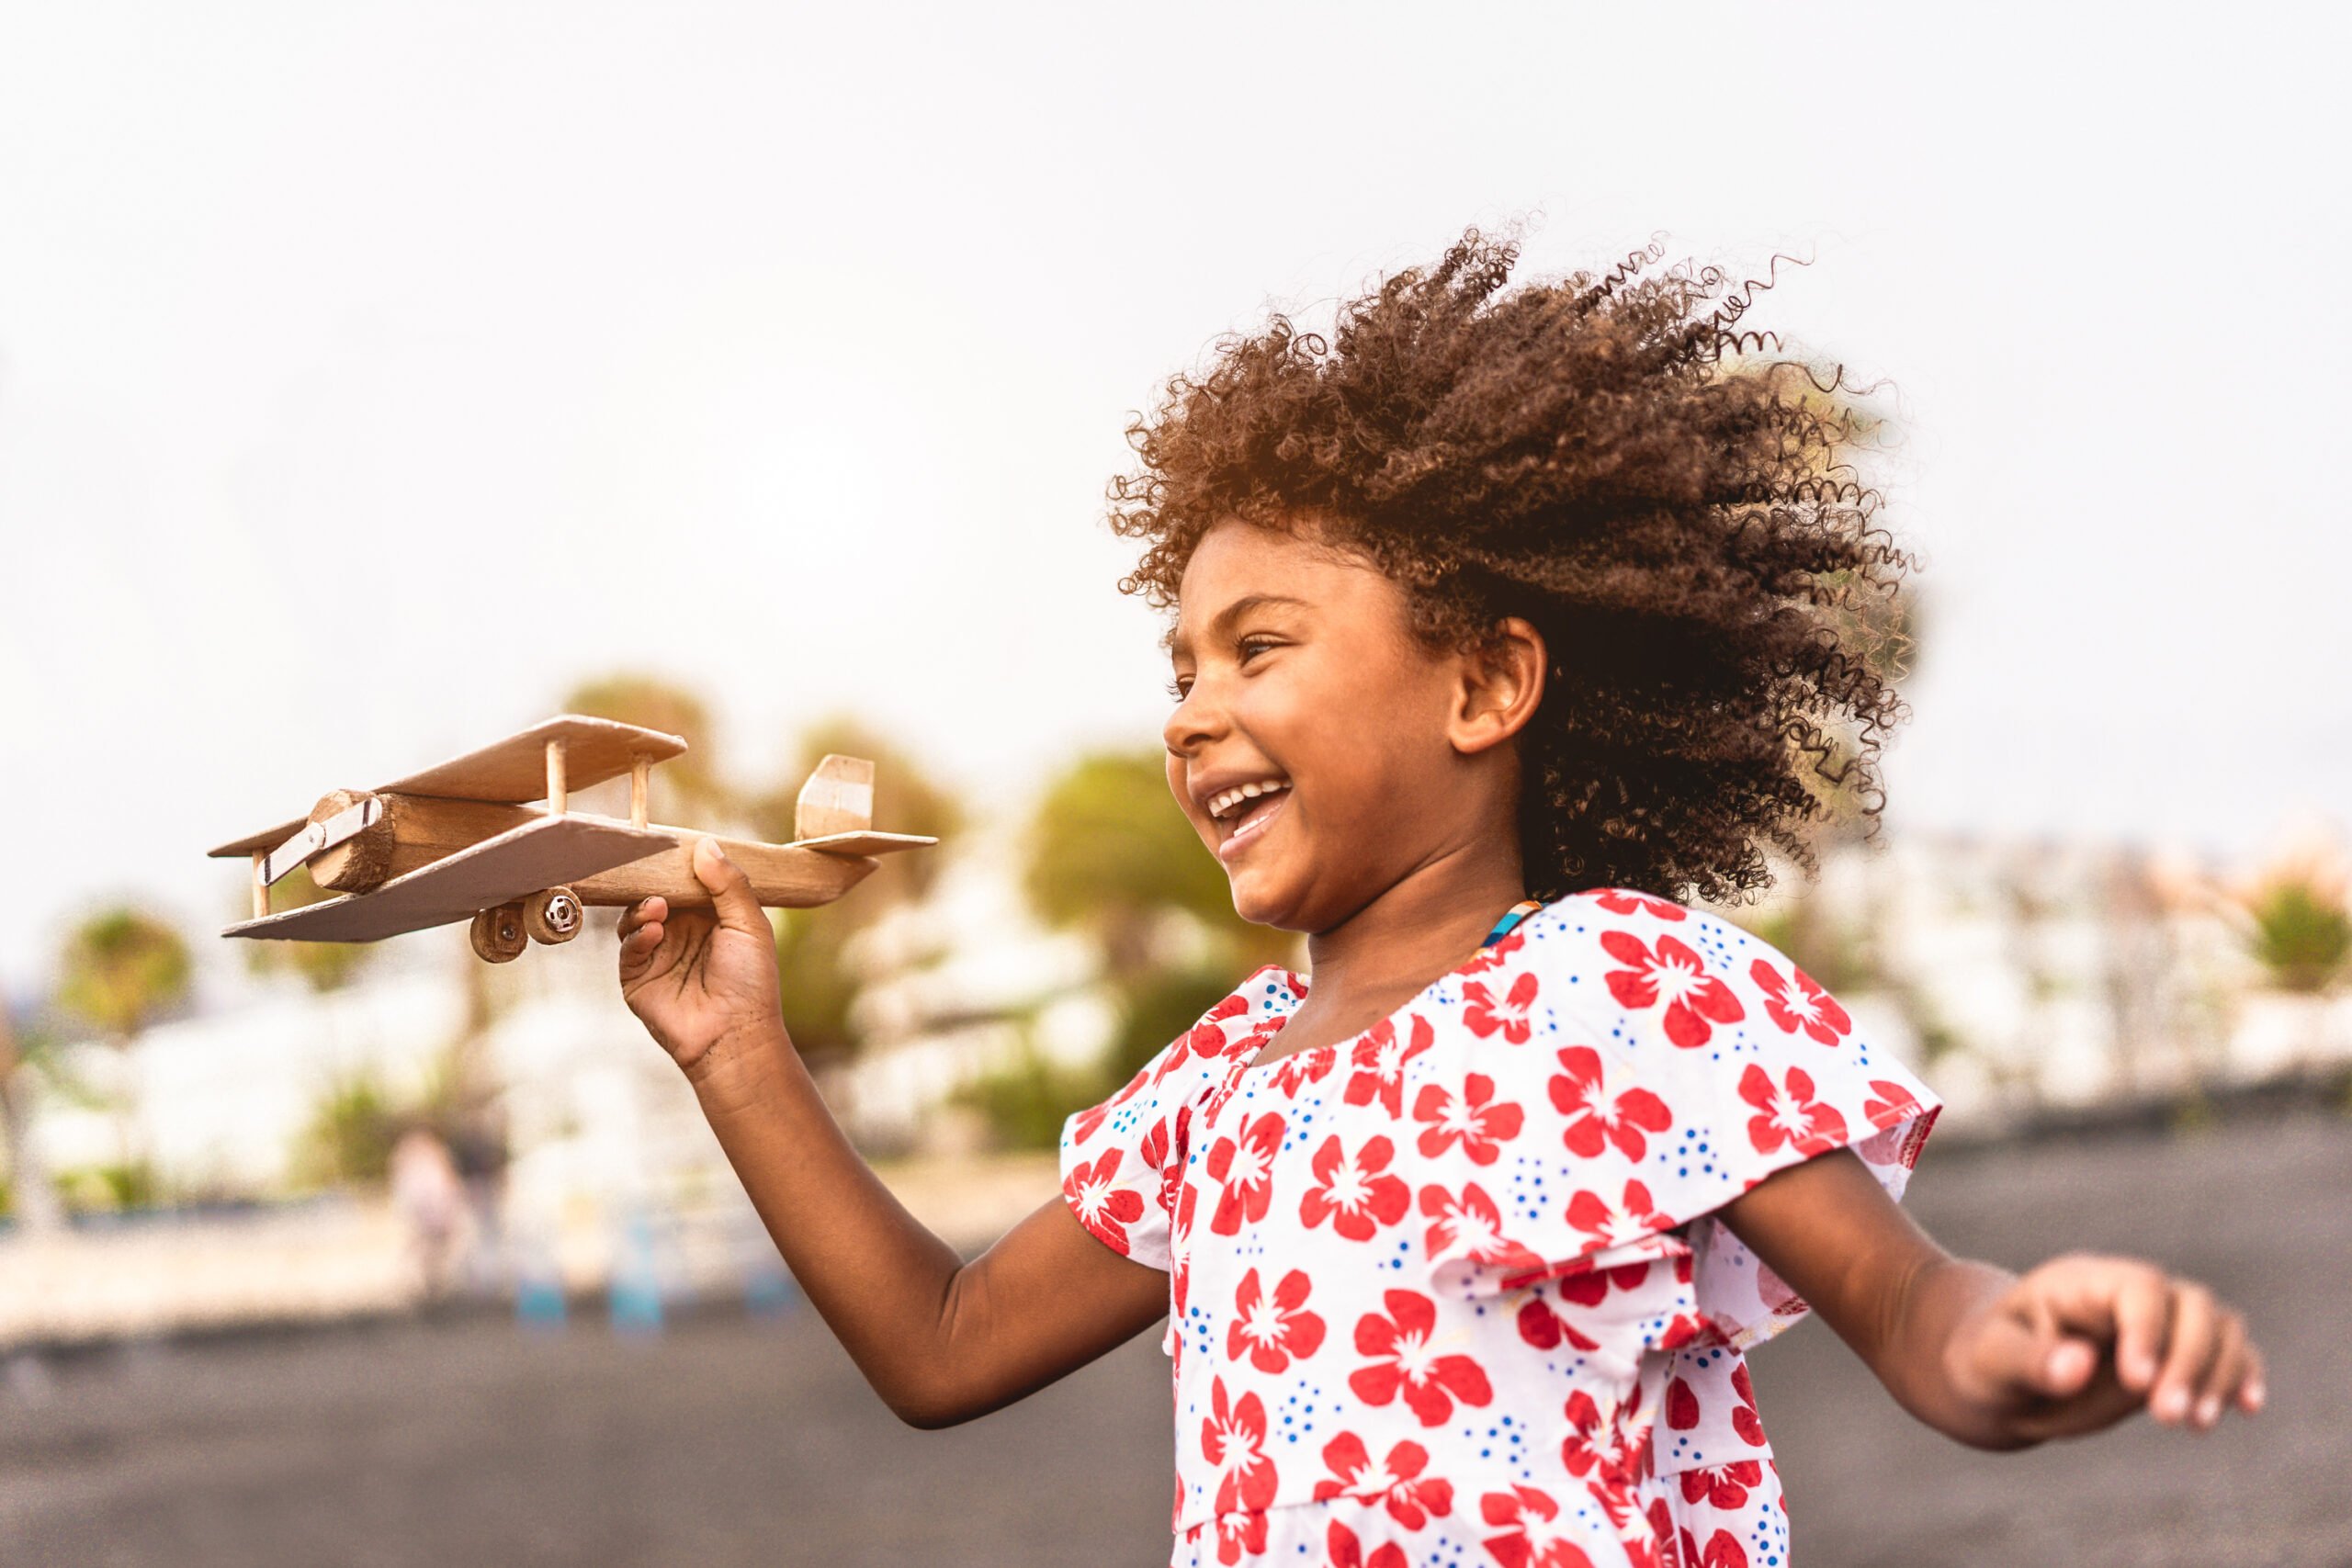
553 916
498 934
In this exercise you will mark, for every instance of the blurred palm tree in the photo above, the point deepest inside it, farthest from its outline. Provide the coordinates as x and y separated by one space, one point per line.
122 968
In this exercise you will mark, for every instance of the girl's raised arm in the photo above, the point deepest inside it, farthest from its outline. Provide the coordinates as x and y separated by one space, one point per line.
940 1340
1987 1358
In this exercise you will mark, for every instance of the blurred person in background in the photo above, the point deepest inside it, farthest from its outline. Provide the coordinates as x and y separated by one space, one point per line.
430 1199
1508 622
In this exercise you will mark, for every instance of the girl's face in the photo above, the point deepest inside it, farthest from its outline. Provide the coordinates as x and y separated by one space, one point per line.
1314 745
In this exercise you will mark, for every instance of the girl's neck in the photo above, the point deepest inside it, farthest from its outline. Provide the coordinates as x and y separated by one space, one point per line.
1429 922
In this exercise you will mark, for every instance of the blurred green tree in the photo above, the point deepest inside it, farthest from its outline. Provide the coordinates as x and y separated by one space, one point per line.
1110 853
819 986
692 781
2302 935
349 1136
121 968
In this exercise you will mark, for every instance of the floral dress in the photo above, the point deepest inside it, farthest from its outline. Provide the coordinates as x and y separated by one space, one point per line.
1450 1292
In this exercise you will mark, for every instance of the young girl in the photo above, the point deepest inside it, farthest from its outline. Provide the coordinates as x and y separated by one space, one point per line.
1503 622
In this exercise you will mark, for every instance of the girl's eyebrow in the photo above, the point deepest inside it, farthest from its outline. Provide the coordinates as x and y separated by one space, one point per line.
1222 621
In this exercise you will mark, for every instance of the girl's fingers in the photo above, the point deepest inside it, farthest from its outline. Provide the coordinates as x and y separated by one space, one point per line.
2251 1392
2193 1342
2142 1310
654 909
2228 1370
639 947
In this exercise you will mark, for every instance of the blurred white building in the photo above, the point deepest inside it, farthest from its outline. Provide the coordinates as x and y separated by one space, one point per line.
2020 977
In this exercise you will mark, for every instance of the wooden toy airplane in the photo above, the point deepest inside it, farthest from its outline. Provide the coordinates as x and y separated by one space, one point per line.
462 842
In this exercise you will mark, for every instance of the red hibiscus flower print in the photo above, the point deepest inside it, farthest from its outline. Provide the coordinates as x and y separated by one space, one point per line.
1547 1329
1300 1069
1681 1405
1106 1210
1803 1006
1723 1551
1400 1357
1534 1536
1475 1120
1245 1168
1673 975
1359 1195
1787 1114
1625 901
1580 1092
1348 1552
1890 1107
1233 1439
1890 1102
1395 1480
1657 1552
1469 1224
1744 1419
1270 1330
1379 1063
1494 957
1239 1535
1614 1493
1206 1038
1580 1449
1724 1486
1484 1015
1614 1224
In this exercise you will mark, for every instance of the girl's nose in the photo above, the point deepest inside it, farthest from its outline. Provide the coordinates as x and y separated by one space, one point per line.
1194 723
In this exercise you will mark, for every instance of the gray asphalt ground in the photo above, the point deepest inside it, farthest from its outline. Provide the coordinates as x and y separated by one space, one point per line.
732 1441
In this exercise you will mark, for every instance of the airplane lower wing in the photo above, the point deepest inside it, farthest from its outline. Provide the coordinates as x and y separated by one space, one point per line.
516 864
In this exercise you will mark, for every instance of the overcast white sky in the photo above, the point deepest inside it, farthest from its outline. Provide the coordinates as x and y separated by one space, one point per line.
371 372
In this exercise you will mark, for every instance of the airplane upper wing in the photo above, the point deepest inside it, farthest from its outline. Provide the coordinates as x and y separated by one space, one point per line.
511 770
514 864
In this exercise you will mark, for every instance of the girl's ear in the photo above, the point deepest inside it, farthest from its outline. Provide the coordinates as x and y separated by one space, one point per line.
1502 684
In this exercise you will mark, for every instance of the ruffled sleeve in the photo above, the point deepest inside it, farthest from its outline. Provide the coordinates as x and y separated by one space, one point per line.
1650 1064
1121 1159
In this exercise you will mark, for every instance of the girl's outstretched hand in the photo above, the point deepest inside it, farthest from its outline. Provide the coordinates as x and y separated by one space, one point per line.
699 977
2083 1341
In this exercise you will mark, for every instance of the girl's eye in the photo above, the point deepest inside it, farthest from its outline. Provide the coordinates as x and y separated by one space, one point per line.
1252 646
1178 687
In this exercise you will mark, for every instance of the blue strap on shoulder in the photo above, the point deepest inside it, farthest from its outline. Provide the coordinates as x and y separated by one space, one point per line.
1511 917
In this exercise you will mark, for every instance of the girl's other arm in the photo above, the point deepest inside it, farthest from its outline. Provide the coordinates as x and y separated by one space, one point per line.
940 1340
1987 1358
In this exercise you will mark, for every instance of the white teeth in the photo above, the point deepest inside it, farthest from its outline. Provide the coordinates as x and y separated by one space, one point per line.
1226 800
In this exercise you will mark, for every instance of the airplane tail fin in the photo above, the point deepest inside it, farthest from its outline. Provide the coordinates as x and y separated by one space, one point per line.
838 798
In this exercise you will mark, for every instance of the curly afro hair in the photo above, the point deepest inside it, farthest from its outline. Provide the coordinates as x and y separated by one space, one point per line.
1601 456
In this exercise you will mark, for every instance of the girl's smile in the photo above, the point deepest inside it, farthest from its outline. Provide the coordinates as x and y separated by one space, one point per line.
1247 818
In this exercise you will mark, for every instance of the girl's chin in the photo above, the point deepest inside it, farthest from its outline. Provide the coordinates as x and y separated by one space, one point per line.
1265 899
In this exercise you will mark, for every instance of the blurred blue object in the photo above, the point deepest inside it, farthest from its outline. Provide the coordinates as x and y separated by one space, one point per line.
636 1279
538 1282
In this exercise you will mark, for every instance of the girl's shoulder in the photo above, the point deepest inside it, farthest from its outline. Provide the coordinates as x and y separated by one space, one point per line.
1622 1067
1648 971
